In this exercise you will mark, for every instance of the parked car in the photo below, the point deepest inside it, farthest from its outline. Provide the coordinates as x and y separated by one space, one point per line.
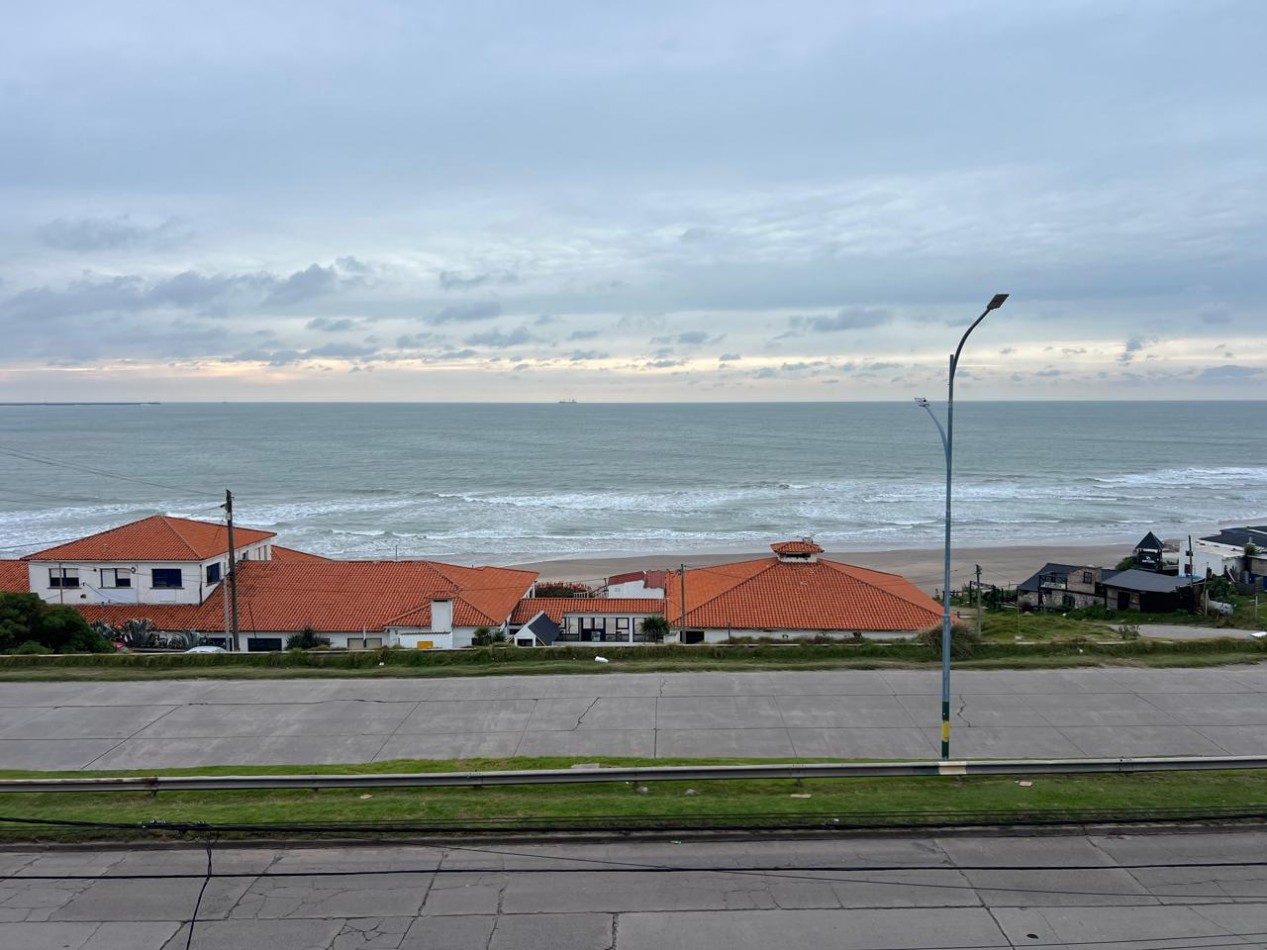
207 649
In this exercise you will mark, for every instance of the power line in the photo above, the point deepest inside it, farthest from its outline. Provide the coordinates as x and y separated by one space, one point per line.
36 545
75 466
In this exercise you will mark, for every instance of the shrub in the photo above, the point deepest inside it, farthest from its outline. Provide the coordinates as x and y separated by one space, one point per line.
964 641
306 639
562 589
31 648
1220 588
655 629
87 641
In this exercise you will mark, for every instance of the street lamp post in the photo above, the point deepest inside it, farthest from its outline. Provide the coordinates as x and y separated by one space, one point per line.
947 443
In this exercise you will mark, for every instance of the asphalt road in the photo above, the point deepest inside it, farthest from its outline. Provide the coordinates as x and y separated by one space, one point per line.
1109 892
847 714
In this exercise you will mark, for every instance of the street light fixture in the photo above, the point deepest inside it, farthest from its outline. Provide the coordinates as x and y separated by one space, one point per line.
947 443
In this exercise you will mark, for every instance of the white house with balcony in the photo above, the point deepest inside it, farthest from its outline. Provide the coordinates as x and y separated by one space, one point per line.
157 560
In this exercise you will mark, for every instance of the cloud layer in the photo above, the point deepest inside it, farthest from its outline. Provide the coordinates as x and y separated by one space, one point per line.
678 201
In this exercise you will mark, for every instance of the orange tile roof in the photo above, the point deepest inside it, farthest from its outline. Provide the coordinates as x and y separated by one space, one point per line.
14 577
796 547
769 594
342 597
556 607
484 596
157 538
280 553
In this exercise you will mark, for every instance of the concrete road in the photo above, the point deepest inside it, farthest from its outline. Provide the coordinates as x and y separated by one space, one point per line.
1111 892
846 714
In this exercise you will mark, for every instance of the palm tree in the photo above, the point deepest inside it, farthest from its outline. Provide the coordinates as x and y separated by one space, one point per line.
655 629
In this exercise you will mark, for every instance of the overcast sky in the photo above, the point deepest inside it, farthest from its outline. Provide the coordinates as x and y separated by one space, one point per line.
656 201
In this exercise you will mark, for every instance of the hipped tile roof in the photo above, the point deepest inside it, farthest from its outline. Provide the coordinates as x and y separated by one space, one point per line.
157 538
769 594
342 597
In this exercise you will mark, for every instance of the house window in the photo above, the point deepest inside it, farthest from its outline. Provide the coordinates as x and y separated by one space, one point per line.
622 623
1088 577
167 578
116 577
63 577
1067 601
213 572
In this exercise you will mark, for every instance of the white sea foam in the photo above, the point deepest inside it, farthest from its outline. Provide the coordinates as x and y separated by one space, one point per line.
646 478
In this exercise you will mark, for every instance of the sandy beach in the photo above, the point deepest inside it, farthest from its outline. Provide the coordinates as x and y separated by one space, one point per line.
1001 566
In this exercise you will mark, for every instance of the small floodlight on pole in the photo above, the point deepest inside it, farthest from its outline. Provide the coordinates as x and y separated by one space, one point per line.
947 443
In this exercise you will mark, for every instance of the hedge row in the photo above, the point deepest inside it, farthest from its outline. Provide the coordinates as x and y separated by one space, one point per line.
617 655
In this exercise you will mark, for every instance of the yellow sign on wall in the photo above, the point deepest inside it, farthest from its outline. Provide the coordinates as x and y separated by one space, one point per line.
425 644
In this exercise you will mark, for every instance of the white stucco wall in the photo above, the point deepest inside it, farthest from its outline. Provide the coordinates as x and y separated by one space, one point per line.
1216 558
141 591
634 589
193 590
409 639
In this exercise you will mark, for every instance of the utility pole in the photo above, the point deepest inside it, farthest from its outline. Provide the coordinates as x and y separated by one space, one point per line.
681 630
233 572
978 601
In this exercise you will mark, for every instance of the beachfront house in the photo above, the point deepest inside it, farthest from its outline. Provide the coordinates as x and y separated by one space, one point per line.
1237 553
546 621
356 605
1063 587
170 571
795 594
423 605
1150 592
158 560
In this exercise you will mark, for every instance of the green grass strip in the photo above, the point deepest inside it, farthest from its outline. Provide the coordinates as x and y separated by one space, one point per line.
620 805
1066 652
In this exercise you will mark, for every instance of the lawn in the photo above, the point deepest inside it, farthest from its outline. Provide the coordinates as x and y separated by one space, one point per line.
1046 641
621 805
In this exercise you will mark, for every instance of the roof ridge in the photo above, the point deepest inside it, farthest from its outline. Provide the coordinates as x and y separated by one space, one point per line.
180 536
903 595
838 565
770 562
907 596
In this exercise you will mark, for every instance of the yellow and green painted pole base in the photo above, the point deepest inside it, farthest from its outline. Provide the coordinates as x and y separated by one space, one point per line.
945 730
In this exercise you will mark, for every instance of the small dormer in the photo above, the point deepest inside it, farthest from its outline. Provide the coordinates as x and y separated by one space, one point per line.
804 551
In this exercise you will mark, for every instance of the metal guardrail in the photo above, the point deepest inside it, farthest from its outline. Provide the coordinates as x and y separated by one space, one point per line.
672 773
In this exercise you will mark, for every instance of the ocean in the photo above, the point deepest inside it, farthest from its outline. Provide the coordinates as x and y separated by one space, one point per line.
504 484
